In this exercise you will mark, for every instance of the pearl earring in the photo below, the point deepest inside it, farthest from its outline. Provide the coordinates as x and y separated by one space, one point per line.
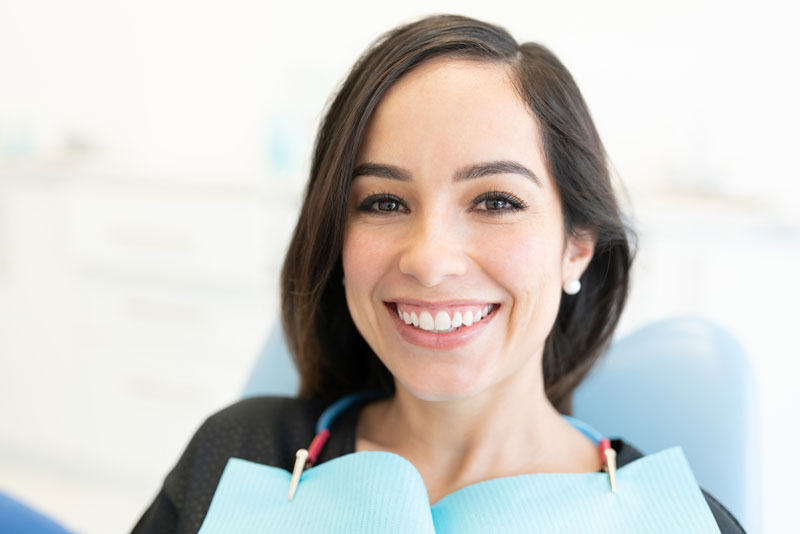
572 286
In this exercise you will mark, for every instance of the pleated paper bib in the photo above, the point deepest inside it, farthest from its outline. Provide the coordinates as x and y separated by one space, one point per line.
375 492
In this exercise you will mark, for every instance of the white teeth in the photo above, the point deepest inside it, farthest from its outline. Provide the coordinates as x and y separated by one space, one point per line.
441 321
426 321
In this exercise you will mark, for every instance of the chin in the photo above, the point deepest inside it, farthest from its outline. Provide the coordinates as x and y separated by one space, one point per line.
442 387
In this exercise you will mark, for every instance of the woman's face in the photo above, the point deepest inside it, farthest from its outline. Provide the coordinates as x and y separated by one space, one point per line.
452 215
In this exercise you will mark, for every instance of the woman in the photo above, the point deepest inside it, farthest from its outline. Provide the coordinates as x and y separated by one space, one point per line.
460 251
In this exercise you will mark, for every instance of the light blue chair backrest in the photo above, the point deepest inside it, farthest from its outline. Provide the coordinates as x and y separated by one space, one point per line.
681 381
684 381
274 372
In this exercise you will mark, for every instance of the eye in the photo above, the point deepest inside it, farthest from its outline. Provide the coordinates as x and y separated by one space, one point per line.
382 204
498 203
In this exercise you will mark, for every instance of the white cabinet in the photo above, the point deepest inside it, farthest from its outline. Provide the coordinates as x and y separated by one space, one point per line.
129 312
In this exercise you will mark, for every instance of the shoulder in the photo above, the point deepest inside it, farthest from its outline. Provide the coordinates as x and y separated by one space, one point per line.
728 524
267 411
267 430
261 429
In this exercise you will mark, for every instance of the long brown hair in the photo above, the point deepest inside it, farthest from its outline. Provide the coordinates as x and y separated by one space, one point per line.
331 356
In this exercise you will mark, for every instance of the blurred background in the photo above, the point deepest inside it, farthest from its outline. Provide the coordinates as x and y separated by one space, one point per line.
152 160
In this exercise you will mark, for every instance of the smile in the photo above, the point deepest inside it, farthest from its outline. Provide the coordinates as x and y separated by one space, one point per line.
441 327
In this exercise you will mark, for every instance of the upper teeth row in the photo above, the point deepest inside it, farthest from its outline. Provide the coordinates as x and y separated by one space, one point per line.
443 321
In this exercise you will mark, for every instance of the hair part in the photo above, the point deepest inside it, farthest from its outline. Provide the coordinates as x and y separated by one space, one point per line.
331 356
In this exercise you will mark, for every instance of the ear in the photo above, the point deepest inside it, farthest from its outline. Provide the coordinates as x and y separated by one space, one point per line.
578 252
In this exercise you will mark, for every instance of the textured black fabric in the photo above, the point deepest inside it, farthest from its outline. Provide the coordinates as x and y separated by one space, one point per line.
269 430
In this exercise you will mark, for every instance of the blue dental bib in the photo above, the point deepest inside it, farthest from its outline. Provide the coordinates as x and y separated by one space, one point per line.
381 492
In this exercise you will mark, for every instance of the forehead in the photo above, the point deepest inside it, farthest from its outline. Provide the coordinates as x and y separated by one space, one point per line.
450 108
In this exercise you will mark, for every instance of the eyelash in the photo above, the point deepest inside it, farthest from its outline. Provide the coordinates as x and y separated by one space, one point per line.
514 202
374 198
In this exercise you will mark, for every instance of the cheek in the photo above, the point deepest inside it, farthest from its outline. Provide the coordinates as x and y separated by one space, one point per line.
528 264
524 258
365 257
366 260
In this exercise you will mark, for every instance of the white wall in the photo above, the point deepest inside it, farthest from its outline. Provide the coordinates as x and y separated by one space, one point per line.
152 156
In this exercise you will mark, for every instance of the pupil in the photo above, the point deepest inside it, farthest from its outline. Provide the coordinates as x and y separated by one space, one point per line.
388 205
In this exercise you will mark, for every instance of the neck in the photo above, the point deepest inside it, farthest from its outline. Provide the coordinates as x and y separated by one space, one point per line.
508 429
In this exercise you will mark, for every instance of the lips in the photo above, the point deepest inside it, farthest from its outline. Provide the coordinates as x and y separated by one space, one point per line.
428 334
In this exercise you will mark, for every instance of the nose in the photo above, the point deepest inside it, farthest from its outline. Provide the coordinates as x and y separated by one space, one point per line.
433 252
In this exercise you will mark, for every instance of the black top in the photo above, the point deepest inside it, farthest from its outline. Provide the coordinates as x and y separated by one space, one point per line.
269 430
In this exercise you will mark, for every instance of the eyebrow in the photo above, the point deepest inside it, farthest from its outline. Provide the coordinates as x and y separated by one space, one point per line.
469 172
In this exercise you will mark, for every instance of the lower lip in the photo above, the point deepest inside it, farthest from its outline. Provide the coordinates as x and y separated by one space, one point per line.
443 341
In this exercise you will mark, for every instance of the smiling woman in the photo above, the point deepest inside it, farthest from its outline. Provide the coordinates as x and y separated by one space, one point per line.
447 115
441 239
461 259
